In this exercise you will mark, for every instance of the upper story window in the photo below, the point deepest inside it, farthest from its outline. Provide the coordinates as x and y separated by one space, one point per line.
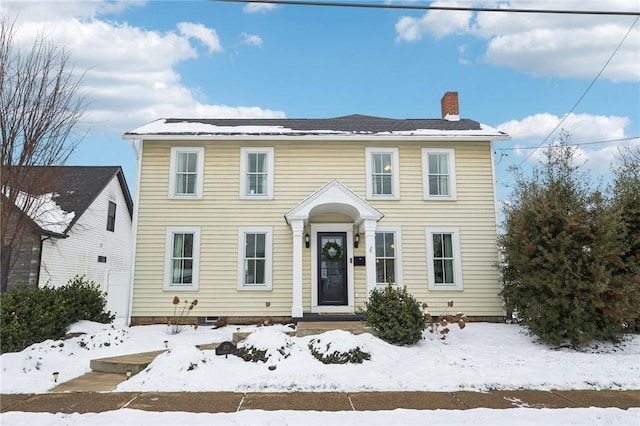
256 173
388 256
382 173
187 172
439 174
111 217
254 258
182 258
444 261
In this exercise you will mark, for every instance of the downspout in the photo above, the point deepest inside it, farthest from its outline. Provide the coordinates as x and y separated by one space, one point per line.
42 240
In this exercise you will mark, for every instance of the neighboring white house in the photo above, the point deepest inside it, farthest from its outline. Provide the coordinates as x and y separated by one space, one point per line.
84 218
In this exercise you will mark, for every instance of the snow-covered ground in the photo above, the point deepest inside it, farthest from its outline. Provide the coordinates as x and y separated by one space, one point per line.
480 357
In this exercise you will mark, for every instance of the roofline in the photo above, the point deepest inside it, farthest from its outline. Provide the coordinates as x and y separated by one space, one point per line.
325 137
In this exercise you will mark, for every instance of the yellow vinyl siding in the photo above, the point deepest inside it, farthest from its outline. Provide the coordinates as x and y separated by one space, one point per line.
301 168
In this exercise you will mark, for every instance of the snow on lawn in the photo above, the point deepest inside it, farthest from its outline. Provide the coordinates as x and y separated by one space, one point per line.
481 357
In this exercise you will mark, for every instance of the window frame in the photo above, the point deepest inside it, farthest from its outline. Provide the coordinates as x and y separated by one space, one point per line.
244 167
168 258
111 218
175 151
395 230
268 266
451 163
458 283
395 173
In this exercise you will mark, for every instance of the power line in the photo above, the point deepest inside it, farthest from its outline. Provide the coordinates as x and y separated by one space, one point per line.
524 148
578 101
430 7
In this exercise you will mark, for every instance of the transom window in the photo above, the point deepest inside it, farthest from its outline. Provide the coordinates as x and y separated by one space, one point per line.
439 173
254 255
256 173
187 172
182 258
382 173
443 251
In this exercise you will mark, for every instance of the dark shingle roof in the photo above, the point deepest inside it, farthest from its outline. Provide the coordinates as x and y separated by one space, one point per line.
355 123
76 187
350 125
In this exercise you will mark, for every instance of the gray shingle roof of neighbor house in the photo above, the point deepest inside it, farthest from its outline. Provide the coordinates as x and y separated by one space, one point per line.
74 188
350 125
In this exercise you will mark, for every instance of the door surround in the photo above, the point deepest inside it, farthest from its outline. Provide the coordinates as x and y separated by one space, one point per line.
332 227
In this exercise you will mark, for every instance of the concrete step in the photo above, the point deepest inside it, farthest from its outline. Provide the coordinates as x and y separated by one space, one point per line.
120 364
239 336
309 328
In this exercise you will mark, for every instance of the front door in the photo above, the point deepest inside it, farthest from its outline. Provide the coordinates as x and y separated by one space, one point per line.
332 268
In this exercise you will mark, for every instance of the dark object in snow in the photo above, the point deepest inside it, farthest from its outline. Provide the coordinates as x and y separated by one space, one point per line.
226 348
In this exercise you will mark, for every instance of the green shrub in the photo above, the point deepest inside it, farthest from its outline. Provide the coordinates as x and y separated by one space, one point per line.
338 347
395 315
33 315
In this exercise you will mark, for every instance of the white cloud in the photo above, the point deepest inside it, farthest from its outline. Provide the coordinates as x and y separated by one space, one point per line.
251 40
131 75
258 7
583 129
541 44
438 23
206 36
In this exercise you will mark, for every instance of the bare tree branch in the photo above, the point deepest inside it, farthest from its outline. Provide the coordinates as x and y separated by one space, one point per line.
39 109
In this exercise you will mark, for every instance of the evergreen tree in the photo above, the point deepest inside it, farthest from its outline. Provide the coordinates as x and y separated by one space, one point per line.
562 251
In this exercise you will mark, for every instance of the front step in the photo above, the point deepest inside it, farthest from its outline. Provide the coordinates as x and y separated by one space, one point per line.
309 328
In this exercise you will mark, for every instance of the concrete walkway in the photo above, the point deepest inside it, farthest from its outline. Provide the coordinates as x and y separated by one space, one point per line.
228 402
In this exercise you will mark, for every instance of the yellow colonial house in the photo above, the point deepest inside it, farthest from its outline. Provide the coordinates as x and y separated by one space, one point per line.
291 219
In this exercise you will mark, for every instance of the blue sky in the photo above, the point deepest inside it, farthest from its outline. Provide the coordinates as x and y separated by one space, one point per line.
521 73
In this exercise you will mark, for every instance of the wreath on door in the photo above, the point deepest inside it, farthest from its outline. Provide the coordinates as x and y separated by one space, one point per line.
328 248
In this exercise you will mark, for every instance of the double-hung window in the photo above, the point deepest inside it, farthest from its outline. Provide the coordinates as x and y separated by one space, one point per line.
444 263
254 258
111 217
388 256
187 172
182 258
256 173
382 173
439 173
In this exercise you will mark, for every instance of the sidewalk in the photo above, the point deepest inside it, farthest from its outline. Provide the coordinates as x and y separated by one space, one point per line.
227 402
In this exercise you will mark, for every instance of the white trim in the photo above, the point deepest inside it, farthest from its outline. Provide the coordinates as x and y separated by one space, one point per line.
396 230
175 150
395 173
134 230
171 230
268 242
332 227
243 172
457 262
451 160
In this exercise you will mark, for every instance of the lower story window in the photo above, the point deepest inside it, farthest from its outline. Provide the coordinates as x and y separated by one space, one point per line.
254 258
388 256
444 263
182 258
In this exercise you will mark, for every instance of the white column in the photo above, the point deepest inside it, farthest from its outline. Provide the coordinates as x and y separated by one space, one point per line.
297 225
370 260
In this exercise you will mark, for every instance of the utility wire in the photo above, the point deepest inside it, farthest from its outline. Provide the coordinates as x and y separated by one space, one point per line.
430 7
579 100
523 148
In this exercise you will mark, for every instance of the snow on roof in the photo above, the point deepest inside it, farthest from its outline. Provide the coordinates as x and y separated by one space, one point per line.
348 126
45 212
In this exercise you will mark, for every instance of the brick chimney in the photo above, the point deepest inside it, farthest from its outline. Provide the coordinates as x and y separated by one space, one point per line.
449 105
